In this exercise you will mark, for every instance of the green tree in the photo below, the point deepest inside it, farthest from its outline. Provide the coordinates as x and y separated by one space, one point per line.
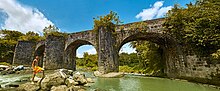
89 61
31 36
197 25
50 29
130 60
108 21
150 57
8 42
11 35
54 31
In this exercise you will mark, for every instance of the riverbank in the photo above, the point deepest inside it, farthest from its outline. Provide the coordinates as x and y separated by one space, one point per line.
56 80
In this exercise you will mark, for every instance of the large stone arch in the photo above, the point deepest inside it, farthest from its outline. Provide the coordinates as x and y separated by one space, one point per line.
70 52
171 52
157 38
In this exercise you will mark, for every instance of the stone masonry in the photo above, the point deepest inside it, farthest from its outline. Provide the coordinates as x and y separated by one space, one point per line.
60 52
24 53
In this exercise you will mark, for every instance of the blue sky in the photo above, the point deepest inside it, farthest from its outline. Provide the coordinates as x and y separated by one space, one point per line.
77 15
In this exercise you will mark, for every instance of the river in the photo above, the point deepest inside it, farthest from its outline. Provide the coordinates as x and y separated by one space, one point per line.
127 83
141 83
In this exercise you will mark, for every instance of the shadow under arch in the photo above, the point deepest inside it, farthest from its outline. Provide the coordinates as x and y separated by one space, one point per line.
168 44
70 53
39 51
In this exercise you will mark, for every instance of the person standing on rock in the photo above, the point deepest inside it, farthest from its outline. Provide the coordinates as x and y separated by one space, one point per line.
36 68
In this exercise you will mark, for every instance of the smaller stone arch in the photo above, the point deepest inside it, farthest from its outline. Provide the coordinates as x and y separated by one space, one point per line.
39 44
88 36
70 52
40 52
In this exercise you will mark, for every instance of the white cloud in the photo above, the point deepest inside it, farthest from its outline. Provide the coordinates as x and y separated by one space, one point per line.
79 55
163 11
23 18
90 51
153 12
158 4
127 49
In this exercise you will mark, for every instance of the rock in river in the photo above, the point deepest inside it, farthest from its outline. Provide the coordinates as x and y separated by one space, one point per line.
50 80
109 75
59 88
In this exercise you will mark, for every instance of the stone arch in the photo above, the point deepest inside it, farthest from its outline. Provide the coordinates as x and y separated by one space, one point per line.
171 52
157 38
40 51
70 52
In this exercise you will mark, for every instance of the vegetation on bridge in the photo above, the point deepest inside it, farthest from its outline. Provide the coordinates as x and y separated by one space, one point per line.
196 27
108 21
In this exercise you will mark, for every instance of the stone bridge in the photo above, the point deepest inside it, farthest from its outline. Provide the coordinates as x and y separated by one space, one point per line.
60 52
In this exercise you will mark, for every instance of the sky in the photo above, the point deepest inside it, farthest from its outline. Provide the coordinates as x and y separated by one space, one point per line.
77 15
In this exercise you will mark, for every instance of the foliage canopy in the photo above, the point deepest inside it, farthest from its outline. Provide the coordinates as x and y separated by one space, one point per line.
108 21
197 25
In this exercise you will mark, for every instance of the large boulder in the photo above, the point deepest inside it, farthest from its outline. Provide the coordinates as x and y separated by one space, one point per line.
36 79
98 73
28 87
54 79
70 82
59 88
67 73
63 72
89 80
80 78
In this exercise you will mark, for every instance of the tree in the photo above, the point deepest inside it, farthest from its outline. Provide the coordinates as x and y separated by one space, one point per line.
54 31
31 36
197 25
150 57
108 21
7 44
130 60
50 29
11 34
88 61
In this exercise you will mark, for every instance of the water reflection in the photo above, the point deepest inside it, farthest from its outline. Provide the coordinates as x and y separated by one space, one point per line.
133 83
130 84
109 84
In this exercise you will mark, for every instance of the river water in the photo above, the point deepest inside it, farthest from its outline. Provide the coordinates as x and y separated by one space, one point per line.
14 79
127 83
140 83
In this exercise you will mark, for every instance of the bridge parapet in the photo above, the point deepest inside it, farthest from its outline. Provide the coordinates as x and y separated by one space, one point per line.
152 26
88 36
